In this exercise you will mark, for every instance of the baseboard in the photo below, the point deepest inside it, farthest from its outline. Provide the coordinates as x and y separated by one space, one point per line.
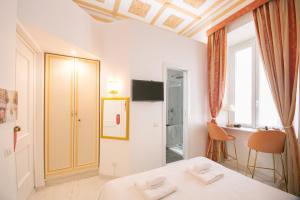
54 180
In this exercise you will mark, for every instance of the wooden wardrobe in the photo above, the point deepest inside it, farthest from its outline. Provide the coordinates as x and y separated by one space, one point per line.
71 114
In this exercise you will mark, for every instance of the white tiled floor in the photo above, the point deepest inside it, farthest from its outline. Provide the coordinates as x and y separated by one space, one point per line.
84 189
263 176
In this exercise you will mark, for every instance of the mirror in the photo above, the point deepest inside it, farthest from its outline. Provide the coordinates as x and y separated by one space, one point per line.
115 118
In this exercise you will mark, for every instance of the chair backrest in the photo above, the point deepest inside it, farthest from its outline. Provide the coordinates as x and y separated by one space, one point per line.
267 141
215 132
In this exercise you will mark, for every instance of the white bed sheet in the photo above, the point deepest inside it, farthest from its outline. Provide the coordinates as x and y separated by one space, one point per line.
233 186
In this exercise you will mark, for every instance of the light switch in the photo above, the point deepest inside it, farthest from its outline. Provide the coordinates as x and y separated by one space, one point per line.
7 152
155 124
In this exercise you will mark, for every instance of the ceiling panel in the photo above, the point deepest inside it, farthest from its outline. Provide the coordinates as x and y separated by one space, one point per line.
190 18
173 20
139 9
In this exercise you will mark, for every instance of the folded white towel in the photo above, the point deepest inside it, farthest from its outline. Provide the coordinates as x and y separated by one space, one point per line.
151 183
208 177
200 167
156 182
158 193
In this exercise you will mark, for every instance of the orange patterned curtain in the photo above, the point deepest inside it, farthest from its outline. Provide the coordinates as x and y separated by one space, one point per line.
216 56
276 27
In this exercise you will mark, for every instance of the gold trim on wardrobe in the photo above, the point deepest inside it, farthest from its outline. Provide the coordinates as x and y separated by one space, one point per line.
48 81
47 74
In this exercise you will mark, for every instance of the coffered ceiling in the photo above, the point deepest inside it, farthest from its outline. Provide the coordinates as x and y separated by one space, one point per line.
190 18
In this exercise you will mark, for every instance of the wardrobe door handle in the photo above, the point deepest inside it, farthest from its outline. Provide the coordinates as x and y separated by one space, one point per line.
79 120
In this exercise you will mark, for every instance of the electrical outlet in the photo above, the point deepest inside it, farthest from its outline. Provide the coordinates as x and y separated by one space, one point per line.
7 152
114 165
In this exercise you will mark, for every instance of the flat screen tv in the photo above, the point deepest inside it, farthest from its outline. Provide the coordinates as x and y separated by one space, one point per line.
147 90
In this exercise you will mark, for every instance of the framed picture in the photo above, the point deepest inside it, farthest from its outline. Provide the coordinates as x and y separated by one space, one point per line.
115 118
8 106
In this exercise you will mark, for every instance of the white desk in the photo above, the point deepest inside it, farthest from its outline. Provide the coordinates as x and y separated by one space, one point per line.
242 129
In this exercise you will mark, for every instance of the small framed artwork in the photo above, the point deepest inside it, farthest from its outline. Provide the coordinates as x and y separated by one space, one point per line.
8 106
115 118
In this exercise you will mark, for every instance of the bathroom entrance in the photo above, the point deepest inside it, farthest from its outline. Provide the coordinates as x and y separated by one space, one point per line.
175 112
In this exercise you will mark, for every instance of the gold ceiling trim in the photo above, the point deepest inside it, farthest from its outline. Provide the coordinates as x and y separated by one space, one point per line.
195 22
189 26
184 11
192 23
214 5
101 19
207 12
175 7
194 3
104 11
205 25
116 7
158 14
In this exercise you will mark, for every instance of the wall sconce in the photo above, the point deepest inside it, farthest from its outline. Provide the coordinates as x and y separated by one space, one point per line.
113 87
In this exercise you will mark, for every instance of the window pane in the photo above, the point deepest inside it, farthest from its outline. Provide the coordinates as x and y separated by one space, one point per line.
267 113
243 86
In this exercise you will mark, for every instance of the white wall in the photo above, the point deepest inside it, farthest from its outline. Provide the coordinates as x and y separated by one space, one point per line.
115 65
8 11
127 50
62 19
140 53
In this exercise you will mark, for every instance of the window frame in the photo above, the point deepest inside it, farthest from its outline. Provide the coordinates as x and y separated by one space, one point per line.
230 85
255 80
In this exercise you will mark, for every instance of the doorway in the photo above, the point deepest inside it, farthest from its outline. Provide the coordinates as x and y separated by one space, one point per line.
175 115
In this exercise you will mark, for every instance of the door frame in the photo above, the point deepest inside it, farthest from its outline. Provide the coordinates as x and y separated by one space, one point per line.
166 67
26 38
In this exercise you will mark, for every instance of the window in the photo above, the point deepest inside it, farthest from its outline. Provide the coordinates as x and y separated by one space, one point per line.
251 95
243 86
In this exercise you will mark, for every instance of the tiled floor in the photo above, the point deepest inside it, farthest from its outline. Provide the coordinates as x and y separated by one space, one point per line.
171 156
84 189
263 176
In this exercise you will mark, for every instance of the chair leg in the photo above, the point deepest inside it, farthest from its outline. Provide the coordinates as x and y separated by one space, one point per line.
219 151
274 175
254 164
283 172
208 148
237 163
212 149
224 149
247 167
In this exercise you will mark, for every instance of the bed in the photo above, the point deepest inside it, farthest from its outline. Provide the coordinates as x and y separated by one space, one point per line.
233 186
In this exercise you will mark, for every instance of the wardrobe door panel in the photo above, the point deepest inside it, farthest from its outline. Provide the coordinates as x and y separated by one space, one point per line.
87 113
58 116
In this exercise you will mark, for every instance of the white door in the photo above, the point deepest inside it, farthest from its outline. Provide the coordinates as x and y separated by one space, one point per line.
24 147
